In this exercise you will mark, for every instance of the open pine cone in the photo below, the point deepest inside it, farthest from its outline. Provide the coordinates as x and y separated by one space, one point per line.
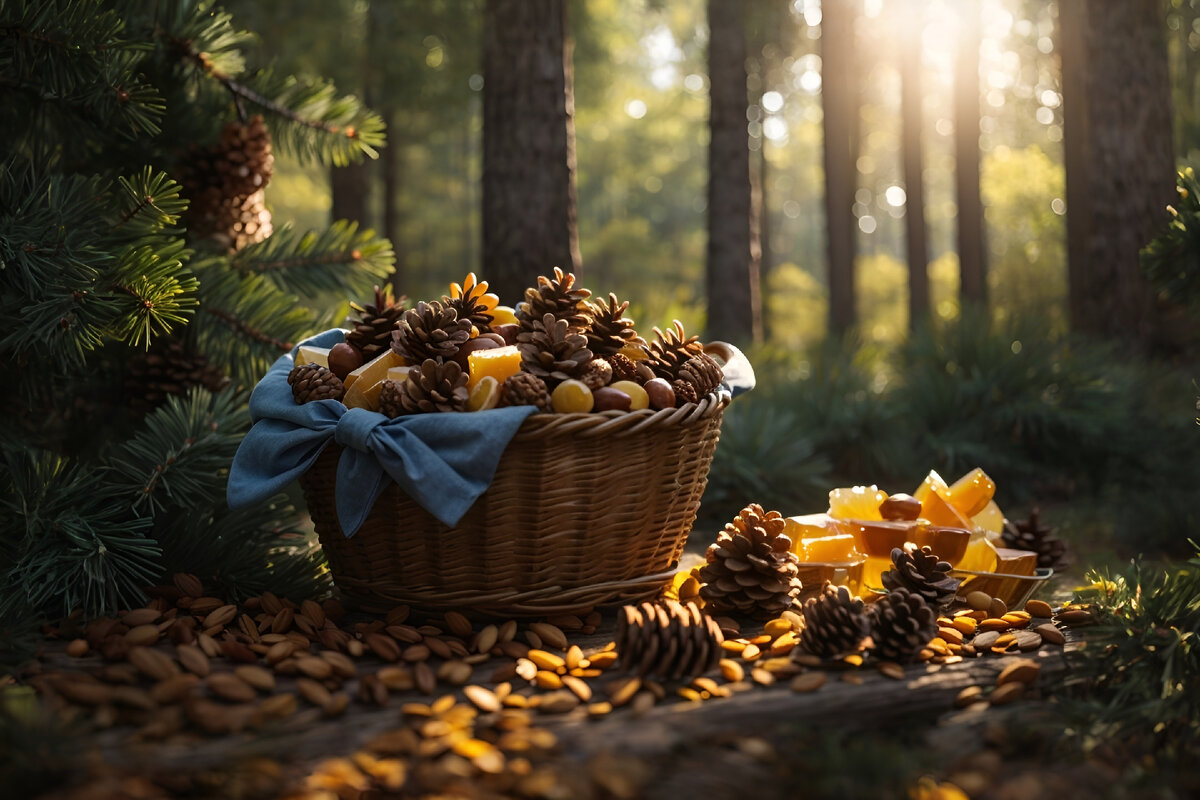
610 329
558 296
430 330
901 624
751 568
471 301
1035 535
921 572
834 623
671 350
224 184
372 333
523 389
702 372
434 387
313 382
552 350
668 639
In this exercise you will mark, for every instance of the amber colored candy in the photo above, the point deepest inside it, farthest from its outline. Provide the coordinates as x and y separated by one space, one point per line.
503 315
499 362
856 502
971 493
485 395
836 548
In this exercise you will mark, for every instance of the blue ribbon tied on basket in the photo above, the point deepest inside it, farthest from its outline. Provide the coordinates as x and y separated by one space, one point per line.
443 461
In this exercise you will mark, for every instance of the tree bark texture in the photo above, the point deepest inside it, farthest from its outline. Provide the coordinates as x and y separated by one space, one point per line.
838 96
1119 159
350 188
913 163
972 253
529 213
732 273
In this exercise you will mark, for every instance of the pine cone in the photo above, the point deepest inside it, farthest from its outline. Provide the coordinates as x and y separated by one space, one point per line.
922 573
623 368
224 184
312 382
523 389
552 350
597 373
168 368
668 639
436 386
751 568
391 402
834 622
702 372
471 301
372 332
671 350
1032 534
558 296
610 330
685 392
901 624
431 330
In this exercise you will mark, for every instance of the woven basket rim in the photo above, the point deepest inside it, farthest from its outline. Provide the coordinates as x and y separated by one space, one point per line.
603 423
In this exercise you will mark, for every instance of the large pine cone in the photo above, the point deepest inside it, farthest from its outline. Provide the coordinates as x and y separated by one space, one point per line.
668 639
702 372
168 368
901 624
313 382
523 389
751 568
372 333
552 350
922 573
558 296
430 330
671 350
471 301
834 622
610 329
1034 535
436 386
224 185
391 403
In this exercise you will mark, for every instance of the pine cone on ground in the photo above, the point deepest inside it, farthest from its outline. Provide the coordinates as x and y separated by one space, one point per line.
922 573
168 368
623 368
471 301
751 568
597 373
835 622
552 350
671 350
610 329
523 389
668 639
313 382
430 330
372 333
558 296
901 624
391 404
1034 535
224 185
436 386
702 372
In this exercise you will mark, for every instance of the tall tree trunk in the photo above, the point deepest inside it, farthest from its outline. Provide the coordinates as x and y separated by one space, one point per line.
838 96
766 261
913 162
1119 162
393 179
351 190
734 312
529 215
972 255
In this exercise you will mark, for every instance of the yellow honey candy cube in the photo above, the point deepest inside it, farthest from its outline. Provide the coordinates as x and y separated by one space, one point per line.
360 395
856 502
374 370
830 549
307 354
499 362
971 493
807 526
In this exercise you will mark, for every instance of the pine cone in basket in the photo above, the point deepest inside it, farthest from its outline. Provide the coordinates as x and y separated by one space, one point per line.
922 573
523 389
372 333
901 624
430 330
668 639
685 392
751 568
623 368
312 382
671 350
597 373
557 296
472 302
1034 535
702 372
834 623
391 394
436 386
611 329
552 350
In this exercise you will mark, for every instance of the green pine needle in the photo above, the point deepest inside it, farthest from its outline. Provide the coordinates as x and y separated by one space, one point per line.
341 260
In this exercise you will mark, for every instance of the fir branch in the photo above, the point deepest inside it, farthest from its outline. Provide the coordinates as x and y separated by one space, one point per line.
1172 259
244 328
340 260
160 292
147 203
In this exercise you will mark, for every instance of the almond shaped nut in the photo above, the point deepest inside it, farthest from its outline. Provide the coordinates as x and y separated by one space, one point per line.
979 601
578 686
1050 633
622 690
313 691
383 646
141 616
891 670
545 660
967 696
458 624
606 398
155 664
997 608
1075 616
220 616
732 670
261 679
228 686
483 698
1006 693
1020 671
550 634
142 634
1039 608
808 681
424 677
174 689
77 648
314 667
193 659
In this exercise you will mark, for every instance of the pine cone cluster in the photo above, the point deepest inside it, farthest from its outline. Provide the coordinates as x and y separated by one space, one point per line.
524 389
921 572
668 639
430 331
751 568
552 350
169 368
901 624
436 386
313 382
835 623
680 359
372 332
224 184
1034 535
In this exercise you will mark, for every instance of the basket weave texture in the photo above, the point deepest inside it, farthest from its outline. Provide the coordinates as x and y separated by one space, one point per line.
584 510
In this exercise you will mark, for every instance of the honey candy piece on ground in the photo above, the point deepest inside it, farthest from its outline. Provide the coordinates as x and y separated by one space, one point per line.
856 502
499 362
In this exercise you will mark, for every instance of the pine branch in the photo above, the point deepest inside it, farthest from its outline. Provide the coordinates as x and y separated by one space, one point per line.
1172 259
340 260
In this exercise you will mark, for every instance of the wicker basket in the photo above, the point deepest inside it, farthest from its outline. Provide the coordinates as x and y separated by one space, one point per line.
585 510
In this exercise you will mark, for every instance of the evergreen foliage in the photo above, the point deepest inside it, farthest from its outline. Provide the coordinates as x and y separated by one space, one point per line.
102 103
1172 259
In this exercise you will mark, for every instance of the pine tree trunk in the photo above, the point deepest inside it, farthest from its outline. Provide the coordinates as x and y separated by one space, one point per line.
766 261
350 187
733 250
529 215
393 181
838 98
913 163
1120 167
972 256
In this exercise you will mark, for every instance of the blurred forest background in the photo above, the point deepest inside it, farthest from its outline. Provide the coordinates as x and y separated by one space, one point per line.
1052 417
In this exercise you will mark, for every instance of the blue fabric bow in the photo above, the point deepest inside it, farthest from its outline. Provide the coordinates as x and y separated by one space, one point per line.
443 461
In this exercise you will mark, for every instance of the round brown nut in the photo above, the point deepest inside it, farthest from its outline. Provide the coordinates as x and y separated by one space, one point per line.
660 392
900 507
344 358
607 398
980 601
